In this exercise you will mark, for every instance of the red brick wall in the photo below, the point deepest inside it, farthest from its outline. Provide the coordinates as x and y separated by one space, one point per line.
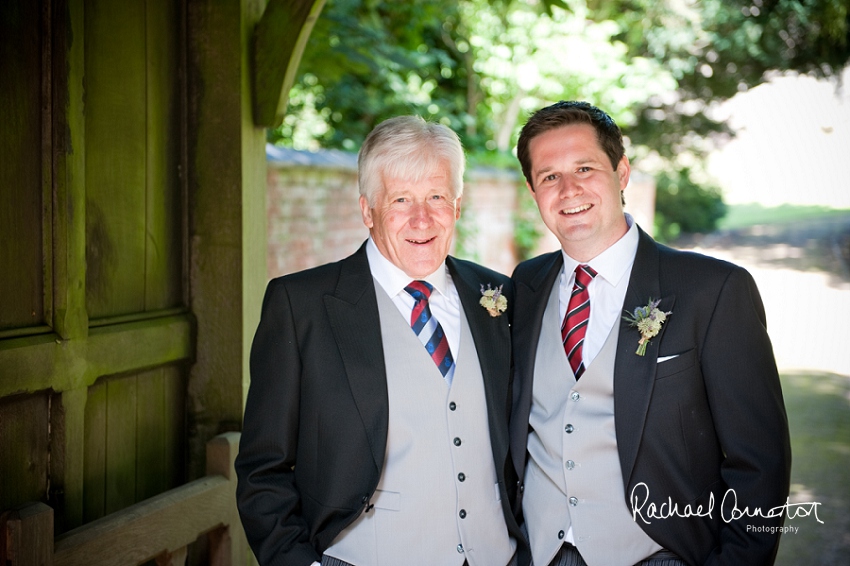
487 215
314 215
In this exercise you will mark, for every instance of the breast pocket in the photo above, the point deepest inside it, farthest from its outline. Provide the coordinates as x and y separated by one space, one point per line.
675 365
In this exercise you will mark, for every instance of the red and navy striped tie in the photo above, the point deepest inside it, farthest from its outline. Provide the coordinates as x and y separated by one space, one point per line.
426 327
574 327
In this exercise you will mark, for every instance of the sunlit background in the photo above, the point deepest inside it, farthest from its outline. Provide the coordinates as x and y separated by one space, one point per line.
738 112
792 144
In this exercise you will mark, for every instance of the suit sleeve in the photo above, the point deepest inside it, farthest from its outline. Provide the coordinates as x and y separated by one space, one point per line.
268 500
746 401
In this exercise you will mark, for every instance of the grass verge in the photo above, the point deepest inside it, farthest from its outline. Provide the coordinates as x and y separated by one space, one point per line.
818 406
750 214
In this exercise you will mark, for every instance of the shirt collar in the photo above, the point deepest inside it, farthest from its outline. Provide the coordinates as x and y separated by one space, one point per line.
394 280
616 261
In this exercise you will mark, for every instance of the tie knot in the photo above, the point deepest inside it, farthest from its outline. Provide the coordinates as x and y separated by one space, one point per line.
419 290
584 275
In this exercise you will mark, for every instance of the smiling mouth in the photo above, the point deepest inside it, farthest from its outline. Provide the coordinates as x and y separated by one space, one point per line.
420 242
576 210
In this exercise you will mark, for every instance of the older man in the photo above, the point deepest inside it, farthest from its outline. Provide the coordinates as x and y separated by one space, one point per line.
375 430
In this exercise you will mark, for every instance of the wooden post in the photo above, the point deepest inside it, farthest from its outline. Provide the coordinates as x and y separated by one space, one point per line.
228 544
26 536
221 547
175 558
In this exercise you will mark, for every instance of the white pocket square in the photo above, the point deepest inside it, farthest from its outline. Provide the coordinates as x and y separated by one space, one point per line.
665 358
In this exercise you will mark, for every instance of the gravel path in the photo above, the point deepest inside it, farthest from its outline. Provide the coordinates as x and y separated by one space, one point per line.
811 340
809 259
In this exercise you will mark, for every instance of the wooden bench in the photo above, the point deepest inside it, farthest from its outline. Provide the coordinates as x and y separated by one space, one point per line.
160 528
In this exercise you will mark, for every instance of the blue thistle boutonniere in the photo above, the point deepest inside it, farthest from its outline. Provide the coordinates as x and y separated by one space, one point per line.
648 321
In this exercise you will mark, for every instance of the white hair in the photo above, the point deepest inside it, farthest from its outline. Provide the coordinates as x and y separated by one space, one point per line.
408 147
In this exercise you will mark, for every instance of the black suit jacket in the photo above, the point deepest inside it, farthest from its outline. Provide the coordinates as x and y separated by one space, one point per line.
315 426
710 420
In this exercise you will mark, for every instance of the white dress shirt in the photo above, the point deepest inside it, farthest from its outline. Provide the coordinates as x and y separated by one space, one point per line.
607 290
444 301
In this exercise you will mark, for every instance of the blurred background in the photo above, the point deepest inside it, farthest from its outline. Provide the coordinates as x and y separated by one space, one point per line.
737 122
162 159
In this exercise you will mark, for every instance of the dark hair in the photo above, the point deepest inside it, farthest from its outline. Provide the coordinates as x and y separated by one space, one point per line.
564 113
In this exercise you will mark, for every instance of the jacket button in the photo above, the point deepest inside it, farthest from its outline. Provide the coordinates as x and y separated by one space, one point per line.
569 428
575 396
461 477
460 549
570 464
365 499
462 513
457 441
560 534
573 501
452 406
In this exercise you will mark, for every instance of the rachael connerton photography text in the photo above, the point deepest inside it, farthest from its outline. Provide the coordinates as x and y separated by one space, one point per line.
645 510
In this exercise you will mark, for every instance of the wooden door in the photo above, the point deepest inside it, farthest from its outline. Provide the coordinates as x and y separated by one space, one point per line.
95 334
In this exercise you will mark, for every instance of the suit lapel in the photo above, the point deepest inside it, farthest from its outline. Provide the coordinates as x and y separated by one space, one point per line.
492 342
531 299
531 296
634 375
353 314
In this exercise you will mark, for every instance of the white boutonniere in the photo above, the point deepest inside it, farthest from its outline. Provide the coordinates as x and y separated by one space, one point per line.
493 300
648 321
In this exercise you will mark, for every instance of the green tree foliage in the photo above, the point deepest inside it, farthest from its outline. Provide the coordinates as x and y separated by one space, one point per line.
682 205
480 66
717 48
369 60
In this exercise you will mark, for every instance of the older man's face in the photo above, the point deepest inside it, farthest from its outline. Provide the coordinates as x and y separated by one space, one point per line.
412 224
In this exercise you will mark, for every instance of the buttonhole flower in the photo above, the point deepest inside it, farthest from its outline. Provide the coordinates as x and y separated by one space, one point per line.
493 300
648 321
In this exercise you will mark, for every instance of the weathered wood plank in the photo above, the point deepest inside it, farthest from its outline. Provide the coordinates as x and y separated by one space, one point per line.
175 558
26 535
21 252
227 183
70 318
151 435
164 216
166 522
174 421
141 531
73 478
41 362
279 41
120 443
94 447
24 438
47 111
221 547
227 546
115 156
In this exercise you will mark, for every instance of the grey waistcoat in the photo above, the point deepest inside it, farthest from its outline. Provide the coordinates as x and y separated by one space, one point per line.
437 500
573 475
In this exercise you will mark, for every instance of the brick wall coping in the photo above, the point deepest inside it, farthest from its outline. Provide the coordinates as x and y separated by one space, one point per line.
337 159
325 158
